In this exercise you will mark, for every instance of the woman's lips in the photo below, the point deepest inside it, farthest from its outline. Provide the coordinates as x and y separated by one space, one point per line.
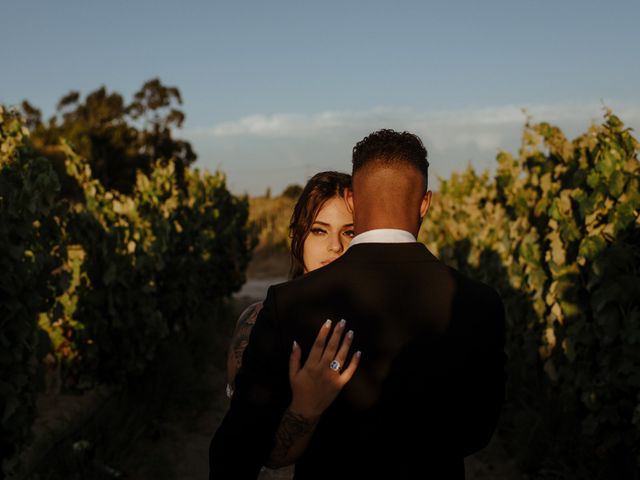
327 262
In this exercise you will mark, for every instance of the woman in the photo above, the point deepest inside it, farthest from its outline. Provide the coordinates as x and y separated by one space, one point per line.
321 229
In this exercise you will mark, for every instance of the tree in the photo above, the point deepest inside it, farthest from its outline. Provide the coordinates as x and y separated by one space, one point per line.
292 191
116 138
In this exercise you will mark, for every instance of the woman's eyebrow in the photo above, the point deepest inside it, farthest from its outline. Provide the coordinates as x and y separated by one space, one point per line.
328 224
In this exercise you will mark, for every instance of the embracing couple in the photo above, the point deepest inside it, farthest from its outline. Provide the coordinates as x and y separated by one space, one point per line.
376 360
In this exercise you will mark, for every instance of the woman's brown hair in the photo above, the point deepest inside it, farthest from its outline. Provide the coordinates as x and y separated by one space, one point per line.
321 187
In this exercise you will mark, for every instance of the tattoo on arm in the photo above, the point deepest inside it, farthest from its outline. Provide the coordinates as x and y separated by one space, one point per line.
293 427
240 338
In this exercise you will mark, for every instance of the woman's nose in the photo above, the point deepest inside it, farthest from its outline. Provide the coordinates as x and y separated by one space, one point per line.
335 245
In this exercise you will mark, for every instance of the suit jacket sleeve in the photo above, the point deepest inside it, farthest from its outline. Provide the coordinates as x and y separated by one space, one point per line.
243 441
478 394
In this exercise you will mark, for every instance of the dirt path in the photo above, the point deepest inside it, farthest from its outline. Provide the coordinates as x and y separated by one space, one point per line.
176 445
256 288
492 463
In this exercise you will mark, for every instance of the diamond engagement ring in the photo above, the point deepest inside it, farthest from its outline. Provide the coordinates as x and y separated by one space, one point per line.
335 365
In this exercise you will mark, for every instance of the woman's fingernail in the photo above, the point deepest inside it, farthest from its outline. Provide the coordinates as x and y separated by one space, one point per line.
342 322
350 334
358 354
294 344
327 323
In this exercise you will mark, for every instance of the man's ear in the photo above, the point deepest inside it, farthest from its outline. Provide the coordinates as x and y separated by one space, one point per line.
426 202
348 199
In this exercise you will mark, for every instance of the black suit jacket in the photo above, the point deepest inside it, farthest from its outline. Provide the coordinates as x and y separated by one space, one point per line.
429 387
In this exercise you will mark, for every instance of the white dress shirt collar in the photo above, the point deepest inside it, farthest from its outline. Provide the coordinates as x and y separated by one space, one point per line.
383 235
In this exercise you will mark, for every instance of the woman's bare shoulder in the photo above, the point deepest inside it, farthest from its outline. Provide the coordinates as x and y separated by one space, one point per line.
249 314
239 342
244 324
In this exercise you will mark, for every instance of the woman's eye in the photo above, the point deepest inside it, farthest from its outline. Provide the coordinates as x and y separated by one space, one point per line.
350 233
317 231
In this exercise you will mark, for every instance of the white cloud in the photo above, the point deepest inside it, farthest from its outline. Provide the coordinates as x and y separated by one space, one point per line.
260 150
478 127
287 125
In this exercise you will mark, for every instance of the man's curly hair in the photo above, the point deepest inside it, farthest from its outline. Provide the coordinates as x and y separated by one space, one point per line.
390 147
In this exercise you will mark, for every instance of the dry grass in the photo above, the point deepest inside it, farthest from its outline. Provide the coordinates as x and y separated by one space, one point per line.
271 218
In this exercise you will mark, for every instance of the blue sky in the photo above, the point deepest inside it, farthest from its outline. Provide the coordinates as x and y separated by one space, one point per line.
275 91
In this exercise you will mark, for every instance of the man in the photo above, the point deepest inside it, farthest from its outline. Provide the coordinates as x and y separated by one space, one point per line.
430 383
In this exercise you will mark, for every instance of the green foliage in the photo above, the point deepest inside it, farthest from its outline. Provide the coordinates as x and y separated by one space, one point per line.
558 233
143 271
30 275
154 261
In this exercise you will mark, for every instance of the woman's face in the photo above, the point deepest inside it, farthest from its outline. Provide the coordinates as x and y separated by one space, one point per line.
330 234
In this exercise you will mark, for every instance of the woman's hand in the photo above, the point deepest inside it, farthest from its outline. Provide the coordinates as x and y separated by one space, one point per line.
316 385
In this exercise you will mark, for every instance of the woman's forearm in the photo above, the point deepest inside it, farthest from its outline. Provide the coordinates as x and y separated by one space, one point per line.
292 438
